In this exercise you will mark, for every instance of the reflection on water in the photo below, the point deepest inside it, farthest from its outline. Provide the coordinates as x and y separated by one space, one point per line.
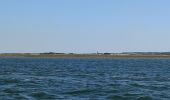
66 78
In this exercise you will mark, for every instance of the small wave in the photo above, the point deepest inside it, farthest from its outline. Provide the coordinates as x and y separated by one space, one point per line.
116 97
11 91
145 98
138 85
42 95
80 92
131 94
134 78
10 80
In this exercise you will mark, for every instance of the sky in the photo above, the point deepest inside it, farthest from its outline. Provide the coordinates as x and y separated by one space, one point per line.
84 26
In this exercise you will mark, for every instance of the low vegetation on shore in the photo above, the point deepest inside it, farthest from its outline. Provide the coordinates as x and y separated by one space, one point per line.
89 55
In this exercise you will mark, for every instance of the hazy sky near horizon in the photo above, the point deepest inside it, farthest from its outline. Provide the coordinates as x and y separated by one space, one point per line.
84 26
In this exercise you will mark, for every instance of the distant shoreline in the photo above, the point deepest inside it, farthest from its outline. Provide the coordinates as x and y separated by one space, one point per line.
86 55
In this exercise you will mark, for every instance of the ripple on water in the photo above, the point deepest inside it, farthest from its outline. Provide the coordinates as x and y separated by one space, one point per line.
150 86
145 98
80 92
9 80
116 97
131 94
42 95
11 91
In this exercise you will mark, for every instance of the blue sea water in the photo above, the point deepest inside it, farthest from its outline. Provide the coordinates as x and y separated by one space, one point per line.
84 79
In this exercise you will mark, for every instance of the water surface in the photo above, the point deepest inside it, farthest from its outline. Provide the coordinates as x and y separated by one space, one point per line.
84 79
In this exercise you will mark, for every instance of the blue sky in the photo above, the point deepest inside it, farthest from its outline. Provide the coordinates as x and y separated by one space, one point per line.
84 26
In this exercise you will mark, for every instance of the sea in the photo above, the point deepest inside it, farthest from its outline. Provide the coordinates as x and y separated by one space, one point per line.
84 78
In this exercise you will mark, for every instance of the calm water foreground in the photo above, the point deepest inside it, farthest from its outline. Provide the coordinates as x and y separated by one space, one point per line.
84 79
